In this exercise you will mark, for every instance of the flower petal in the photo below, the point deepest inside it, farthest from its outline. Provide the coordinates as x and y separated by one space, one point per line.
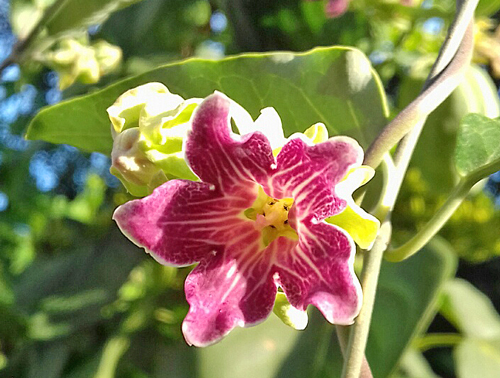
319 271
183 221
362 227
309 173
220 157
223 293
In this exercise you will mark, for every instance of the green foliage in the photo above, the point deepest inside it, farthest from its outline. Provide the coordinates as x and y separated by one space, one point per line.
487 8
75 15
473 314
76 299
470 311
406 303
255 352
434 154
336 86
472 230
478 145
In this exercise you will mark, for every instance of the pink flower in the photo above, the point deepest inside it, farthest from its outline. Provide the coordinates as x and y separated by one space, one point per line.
253 223
335 8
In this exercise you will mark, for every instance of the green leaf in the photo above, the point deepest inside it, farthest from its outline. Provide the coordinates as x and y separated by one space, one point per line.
487 8
477 358
253 352
336 86
75 15
65 294
435 150
469 310
414 365
478 145
406 303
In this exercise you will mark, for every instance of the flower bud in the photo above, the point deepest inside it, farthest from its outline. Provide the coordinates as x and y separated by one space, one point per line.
149 125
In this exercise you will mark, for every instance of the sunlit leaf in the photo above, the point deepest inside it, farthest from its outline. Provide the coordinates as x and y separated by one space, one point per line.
470 310
478 144
434 153
336 86
477 358
253 352
78 15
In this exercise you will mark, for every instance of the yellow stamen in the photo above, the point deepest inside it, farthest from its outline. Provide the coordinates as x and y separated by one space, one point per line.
271 217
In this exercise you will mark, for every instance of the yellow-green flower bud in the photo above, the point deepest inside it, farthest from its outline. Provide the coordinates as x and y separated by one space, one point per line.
107 55
149 125
75 60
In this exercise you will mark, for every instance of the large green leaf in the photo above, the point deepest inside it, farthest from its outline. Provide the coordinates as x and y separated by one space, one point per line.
336 86
253 352
78 15
406 303
470 310
487 8
478 144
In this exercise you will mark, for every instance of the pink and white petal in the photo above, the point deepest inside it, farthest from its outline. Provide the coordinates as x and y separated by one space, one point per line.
220 157
224 293
309 173
183 221
319 271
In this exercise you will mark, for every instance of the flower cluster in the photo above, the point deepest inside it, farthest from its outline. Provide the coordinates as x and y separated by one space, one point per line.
264 218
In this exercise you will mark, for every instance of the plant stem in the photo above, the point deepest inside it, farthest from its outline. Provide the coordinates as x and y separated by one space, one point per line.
437 340
445 76
343 333
23 45
443 79
442 215
369 278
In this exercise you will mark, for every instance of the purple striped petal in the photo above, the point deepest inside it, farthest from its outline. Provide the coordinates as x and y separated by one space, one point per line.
308 174
183 221
319 271
220 157
225 291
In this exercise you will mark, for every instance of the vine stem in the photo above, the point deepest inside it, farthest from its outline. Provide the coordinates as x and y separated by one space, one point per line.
442 215
369 279
445 76
437 340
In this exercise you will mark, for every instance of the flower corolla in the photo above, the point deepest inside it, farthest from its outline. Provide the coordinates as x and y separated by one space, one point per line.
263 215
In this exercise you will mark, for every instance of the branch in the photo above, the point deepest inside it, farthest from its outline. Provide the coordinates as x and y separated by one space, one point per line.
23 45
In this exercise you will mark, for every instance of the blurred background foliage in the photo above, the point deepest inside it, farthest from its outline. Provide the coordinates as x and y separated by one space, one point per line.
78 300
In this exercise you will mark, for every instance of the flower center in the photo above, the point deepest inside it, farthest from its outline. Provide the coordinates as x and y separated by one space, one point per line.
271 217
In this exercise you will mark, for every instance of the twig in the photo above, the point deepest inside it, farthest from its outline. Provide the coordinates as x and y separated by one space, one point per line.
23 45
